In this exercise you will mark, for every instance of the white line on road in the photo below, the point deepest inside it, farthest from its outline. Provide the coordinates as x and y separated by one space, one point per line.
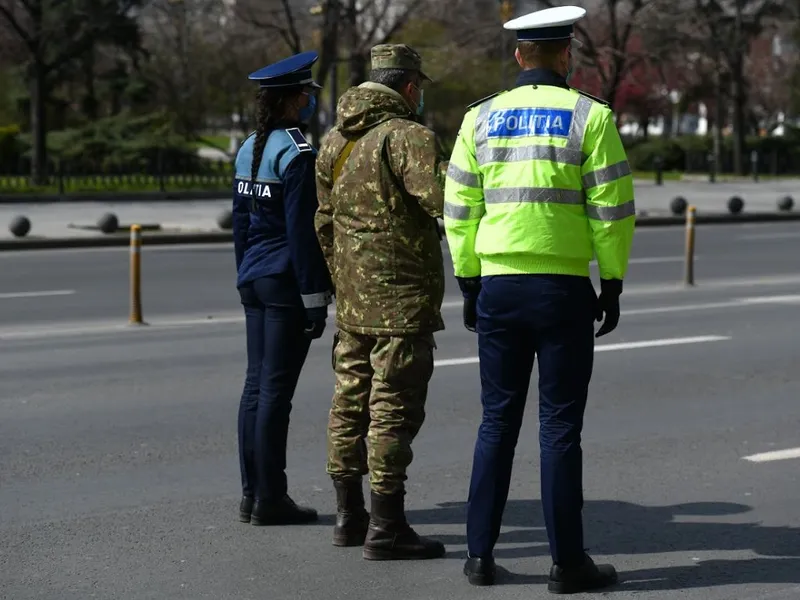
774 455
736 302
770 236
470 360
648 260
91 328
42 294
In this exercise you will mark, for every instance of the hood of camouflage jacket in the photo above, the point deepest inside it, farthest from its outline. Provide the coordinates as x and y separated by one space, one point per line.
370 104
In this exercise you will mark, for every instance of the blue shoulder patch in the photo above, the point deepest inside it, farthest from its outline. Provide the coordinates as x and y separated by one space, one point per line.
525 122
299 140
244 157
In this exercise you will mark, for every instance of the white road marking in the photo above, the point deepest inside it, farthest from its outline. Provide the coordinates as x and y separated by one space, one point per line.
648 260
41 294
470 360
774 455
711 284
736 302
90 328
770 236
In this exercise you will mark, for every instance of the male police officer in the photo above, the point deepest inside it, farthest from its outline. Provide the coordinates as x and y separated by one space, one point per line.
538 183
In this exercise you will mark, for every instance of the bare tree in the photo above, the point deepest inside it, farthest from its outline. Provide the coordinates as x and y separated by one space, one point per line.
726 29
342 30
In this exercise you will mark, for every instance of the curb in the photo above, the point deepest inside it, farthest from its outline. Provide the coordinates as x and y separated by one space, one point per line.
107 197
223 237
111 240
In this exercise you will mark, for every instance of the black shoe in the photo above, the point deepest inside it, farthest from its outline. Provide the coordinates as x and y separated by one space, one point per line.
352 519
245 508
583 578
390 537
281 512
480 571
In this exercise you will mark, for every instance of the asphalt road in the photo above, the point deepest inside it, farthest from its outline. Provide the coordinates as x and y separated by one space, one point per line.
119 476
197 282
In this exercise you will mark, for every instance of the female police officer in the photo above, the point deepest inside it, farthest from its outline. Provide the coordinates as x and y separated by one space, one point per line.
282 279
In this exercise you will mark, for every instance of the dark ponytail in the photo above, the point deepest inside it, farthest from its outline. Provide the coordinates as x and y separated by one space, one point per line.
270 110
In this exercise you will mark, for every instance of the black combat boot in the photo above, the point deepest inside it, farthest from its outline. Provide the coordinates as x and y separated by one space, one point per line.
390 537
582 578
352 519
281 512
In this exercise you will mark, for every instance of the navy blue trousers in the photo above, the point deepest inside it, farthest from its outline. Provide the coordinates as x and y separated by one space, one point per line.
522 317
276 352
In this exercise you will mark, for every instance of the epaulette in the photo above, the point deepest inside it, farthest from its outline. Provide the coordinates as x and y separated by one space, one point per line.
482 100
247 137
590 97
299 140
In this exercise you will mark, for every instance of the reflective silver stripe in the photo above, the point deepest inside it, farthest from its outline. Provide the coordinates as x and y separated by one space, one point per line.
611 213
463 177
606 174
567 156
482 126
463 213
557 196
316 300
580 116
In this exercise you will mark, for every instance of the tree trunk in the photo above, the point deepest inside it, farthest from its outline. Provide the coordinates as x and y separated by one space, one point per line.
90 99
738 93
644 123
718 119
357 63
38 92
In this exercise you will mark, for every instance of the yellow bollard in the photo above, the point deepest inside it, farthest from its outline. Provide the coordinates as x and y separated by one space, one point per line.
688 278
136 275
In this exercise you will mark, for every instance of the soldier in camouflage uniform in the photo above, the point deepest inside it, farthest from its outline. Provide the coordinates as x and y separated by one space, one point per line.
380 183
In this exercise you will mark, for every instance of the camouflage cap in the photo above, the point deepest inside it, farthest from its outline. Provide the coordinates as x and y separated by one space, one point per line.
397 56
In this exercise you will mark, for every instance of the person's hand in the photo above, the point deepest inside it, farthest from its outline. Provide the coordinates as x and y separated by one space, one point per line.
608 305
470 289
315 322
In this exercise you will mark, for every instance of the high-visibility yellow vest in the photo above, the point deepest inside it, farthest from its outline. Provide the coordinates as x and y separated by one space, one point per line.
539 182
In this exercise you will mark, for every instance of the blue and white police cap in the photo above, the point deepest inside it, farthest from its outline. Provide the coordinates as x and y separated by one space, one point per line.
295 70
548 24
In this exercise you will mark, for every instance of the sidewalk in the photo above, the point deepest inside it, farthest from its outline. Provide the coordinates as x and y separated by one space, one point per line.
52 220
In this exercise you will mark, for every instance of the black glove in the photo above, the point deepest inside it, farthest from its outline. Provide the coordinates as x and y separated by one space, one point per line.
608 305
315 322
470 289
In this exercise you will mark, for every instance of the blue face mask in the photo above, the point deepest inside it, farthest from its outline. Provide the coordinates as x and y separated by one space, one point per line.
421 105
308 111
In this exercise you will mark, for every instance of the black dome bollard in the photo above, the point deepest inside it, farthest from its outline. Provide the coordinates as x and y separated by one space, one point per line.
735 205
786 203
678 205
225 220
19 226
108 223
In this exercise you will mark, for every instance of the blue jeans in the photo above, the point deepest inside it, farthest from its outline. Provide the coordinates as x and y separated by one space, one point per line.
521 317
276 352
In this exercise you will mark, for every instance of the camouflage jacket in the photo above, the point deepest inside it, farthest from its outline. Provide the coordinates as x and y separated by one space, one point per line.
377 223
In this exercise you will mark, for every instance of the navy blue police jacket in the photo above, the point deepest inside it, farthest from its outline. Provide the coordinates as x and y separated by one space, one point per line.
273 217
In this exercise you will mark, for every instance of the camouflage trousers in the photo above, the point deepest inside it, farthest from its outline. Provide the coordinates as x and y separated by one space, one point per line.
378 406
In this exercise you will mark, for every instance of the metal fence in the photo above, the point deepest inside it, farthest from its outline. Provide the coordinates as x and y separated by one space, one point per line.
774 162
64 177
